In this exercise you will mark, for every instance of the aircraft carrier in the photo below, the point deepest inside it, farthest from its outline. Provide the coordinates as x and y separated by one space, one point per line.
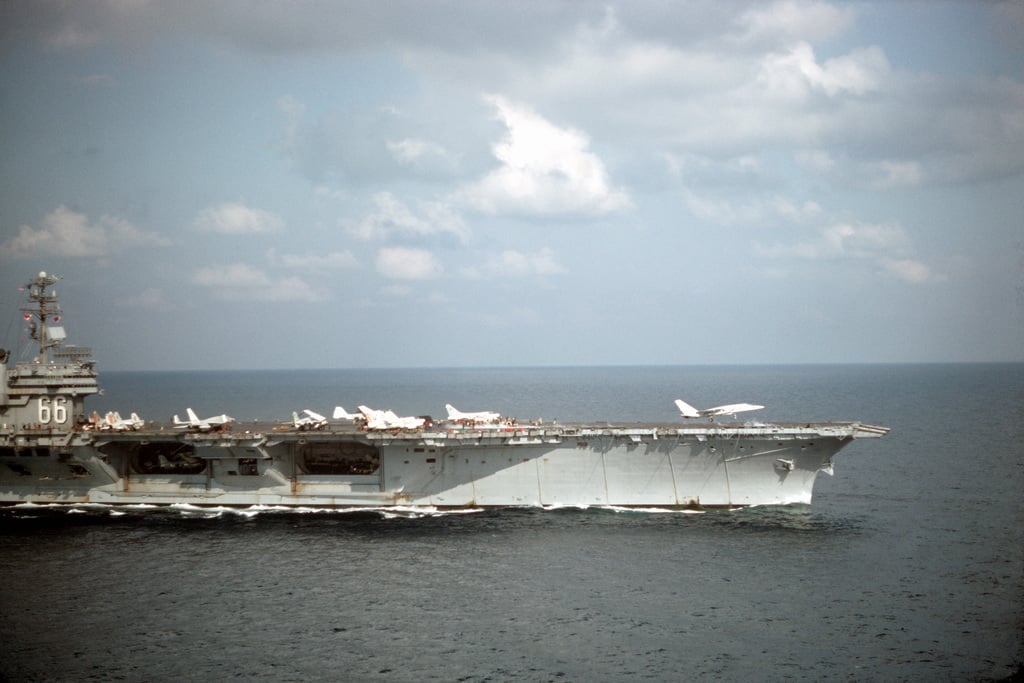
52 450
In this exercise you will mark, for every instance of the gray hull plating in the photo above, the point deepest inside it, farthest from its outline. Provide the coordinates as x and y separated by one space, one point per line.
657 466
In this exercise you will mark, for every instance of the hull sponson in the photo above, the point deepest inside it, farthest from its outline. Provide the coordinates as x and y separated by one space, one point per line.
715 465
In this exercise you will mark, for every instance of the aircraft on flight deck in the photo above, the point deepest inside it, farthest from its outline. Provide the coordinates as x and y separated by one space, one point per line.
209 424
342 414
387 419
114 421
688 411
480 417
311 420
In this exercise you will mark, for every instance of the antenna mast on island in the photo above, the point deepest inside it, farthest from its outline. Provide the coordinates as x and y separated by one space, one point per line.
44 307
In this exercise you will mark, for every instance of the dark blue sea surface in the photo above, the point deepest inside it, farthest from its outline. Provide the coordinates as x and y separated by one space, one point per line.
909 565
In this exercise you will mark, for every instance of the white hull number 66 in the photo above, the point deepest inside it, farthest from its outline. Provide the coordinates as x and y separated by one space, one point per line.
55 410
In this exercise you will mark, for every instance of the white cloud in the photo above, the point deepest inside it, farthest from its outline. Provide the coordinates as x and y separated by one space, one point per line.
795 73
402 263
414 152
754 212
545 170
783 22
880 244
242 282
845 240
232 218
628 69
64 232
864 240
512 263
392 217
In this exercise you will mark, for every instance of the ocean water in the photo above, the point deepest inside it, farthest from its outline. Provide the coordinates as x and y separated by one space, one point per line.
909 565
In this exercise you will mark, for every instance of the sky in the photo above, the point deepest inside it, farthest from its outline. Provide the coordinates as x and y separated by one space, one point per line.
417 183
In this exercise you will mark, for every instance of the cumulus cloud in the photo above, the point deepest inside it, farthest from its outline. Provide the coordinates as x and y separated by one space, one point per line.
688 74
232 218
242 282
64 232
512 263
392 217
762 86
402 263
545 169
795 73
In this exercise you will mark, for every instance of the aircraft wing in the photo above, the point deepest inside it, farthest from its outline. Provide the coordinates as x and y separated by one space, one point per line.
731 409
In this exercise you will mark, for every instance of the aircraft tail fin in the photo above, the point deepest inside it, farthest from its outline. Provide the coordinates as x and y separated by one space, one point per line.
452 412
685 409
192 417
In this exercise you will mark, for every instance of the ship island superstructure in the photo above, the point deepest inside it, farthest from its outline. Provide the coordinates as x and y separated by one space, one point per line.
52 451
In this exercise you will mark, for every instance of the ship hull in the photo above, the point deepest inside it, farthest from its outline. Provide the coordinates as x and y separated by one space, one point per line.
657 466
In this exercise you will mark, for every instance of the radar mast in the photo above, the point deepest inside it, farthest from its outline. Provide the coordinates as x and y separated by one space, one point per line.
43 306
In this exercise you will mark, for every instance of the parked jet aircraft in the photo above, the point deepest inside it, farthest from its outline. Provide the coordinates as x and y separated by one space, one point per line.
688 411
481 417
387 419
342 414
311 420
209 424
114 421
